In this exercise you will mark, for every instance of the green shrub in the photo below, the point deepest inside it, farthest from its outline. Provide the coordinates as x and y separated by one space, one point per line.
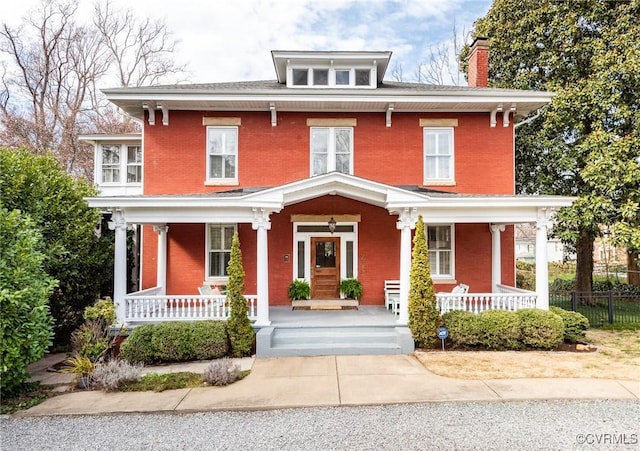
138 346
525 275
299 289
91 339
176 342
500 330
210 340
103 310
25 323
540 329
575 324
561 286
423 314
464 328
173 341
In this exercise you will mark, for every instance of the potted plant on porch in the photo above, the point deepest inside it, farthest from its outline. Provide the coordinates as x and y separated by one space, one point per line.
299 289
351 288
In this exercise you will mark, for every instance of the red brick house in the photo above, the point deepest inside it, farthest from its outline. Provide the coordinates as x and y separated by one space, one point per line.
328 143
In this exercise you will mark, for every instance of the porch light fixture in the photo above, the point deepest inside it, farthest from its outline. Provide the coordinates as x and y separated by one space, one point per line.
332 225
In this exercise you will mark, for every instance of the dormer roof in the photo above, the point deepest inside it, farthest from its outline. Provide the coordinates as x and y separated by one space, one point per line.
283 58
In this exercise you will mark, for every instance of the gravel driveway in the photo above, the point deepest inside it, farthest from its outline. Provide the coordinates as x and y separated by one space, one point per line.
496 425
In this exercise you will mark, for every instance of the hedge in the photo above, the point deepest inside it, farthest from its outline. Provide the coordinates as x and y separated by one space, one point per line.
506 330
176 342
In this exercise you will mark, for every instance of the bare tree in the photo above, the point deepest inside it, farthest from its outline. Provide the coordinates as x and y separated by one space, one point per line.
49 92
441 66
142 51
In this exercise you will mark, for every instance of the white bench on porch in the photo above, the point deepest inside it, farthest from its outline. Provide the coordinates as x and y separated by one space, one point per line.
392 295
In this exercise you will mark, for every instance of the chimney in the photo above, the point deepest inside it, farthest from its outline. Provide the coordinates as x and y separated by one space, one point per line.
478 64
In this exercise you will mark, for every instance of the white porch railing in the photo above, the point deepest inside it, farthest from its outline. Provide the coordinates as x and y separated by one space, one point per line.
146 306
510 299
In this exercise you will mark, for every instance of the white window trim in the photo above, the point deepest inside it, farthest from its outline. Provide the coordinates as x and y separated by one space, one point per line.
331 152
220 280
123 164
227 180
306 237
443 181
442 278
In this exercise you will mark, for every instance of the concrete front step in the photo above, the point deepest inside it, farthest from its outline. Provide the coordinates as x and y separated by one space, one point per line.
312 341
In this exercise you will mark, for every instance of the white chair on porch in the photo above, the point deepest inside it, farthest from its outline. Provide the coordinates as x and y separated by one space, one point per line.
460 289
392 295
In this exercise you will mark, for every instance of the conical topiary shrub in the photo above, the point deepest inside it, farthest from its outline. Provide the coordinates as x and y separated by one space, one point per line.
423 314
241 334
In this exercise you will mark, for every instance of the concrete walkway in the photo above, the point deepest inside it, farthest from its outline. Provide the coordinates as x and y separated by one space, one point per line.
288 382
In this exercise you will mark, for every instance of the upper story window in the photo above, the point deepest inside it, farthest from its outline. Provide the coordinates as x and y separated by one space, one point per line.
331 150
440 245
119 159
438 156
222 154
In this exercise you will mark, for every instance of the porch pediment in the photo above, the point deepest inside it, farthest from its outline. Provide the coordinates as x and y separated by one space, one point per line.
336 183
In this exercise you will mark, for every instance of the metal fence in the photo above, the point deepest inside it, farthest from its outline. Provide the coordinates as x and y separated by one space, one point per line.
601 307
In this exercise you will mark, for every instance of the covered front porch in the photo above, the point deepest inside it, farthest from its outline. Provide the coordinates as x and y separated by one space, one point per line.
368 210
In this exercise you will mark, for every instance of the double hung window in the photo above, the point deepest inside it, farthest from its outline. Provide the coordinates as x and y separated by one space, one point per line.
219 248
440 244
222 154
120 159
331 150
438 155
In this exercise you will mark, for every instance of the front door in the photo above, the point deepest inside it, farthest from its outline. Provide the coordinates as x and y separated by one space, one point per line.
325 268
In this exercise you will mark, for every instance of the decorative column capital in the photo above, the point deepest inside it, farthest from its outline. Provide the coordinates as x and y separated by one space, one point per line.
260 219
407 218
543 218
161 228
496 228
118 221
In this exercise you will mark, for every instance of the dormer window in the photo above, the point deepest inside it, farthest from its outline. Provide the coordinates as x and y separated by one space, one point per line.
313 77
330 70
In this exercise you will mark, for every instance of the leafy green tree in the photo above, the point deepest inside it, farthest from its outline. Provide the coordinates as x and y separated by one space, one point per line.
586 143
74 255
25 323
241 334
423 314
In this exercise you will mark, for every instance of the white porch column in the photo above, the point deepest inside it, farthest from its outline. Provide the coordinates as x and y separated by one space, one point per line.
118 223
542 264
261 225
161 267
406 222
496 256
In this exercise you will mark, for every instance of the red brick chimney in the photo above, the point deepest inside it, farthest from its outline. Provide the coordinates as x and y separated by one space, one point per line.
478 64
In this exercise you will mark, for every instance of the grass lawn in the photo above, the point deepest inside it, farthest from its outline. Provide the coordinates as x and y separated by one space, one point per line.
617 357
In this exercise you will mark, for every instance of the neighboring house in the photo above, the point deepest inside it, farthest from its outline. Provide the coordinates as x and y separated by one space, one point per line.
329 143
526 246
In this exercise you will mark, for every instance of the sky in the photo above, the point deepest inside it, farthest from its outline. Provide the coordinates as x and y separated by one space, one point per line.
231 40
